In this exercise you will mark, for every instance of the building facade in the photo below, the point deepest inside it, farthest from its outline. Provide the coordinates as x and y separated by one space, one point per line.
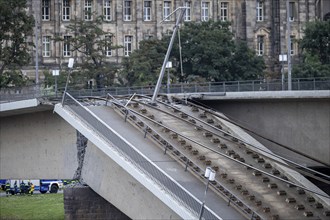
261 23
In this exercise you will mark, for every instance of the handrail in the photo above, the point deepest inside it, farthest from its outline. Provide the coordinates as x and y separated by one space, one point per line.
298 84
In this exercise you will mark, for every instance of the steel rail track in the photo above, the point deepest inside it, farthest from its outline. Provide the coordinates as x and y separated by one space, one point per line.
224 155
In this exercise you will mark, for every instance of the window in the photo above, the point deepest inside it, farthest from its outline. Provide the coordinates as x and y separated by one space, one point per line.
260 11
167 10
45 10
66 10
292 45
128 45
127 10
205 11
46 46
107 10
88 10
224 11
108 43
147 11
260 45
291 11
66 46
187 15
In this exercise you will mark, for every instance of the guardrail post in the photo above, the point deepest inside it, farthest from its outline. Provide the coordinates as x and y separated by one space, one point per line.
314 84
298 84
238 88
224 86
253 89
209 86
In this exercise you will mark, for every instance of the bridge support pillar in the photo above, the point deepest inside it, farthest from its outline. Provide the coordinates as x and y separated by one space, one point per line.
81 202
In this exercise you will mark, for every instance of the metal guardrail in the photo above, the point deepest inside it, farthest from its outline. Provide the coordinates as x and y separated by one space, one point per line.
172 188
35 91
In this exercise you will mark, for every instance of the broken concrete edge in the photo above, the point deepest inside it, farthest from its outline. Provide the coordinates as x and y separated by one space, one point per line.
81 150
291 174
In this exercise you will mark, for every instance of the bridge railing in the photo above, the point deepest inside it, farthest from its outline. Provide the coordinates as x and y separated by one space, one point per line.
137 159
38 91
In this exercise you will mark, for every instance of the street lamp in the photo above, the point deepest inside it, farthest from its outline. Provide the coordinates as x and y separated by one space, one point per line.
162 71
70 65
210 175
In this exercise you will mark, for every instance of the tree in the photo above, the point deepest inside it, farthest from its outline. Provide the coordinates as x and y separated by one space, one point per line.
316 40
142 67
245 65
315 45
311 66
16 29
91 42
209 53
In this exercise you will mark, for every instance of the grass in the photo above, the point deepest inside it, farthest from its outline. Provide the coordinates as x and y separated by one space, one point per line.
35 207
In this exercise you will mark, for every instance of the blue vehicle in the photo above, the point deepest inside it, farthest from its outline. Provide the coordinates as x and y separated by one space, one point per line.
3 184
52 185
43 185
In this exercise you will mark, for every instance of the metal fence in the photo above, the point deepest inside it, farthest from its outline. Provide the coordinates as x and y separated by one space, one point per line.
210 87
139 161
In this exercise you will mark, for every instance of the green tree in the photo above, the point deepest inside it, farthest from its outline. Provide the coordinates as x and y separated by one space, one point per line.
16 29
311 66
315 45
207 48
91 41
12 78
209 53
143 66
244 64
316 40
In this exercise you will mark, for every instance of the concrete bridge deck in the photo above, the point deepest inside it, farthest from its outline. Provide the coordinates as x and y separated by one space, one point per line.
98 157
165 162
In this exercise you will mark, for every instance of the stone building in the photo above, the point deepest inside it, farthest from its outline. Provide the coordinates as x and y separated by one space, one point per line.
261 23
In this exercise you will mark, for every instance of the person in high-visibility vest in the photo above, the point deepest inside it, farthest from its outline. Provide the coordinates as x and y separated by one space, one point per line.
7 188
31 188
